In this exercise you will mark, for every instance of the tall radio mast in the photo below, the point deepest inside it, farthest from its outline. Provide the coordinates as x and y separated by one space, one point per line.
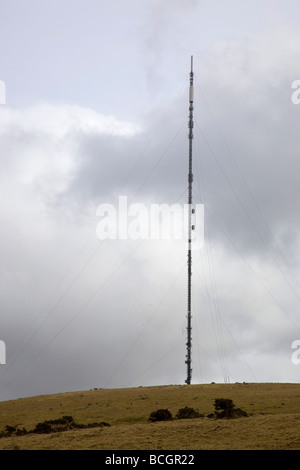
190 228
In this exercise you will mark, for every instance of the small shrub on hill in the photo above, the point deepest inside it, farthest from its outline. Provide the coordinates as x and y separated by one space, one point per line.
42 428
160 415
12 431
9 430
225 408
187 413
55 425
49 426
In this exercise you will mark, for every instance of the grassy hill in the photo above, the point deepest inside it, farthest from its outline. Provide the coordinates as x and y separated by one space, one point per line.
273 420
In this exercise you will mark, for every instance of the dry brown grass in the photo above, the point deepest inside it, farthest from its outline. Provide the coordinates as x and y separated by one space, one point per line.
273 422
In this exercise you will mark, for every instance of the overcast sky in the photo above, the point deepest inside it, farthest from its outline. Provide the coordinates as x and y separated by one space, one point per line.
96 107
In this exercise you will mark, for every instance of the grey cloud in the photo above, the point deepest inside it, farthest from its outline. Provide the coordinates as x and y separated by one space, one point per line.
118 317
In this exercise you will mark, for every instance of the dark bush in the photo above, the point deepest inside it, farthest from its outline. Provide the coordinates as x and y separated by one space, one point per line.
97 425
64 420
228 409
54 425
63 424
9 430
187 413
161 415
13 430
42 428
21 432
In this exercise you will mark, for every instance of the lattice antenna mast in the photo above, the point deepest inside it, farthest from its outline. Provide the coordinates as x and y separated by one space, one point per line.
190 228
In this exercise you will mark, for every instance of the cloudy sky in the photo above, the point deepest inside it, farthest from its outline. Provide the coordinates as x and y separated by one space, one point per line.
96 107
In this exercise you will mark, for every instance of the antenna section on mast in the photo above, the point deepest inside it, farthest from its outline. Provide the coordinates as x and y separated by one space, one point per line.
190 228
191 83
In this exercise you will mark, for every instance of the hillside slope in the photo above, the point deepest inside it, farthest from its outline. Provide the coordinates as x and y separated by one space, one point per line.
273 420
